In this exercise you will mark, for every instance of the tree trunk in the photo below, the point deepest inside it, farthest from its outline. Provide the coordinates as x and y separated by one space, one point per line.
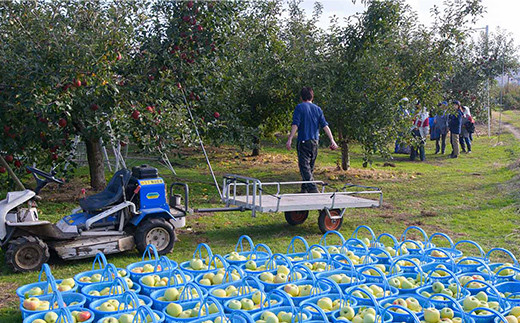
256 146
345 156
95 164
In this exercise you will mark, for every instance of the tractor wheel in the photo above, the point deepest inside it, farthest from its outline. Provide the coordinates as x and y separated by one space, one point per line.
296 217
26 253
325 223
156 231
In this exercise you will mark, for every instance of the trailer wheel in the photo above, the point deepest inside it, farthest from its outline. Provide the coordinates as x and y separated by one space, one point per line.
156 231
325 223
296 217
26 253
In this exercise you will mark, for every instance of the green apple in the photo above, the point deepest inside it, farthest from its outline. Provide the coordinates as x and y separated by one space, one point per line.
280 278
291 289
247 304
325 303
482 296
347 312
217 279
38 321
447 313
511 319
148 268
171 294
174 309
51 317
257 297
126 318
68 281
437 287
432 315
282 269
515 311
96 278
219 293
148 280
470 302
107 307
205 282
251 265
235 304
305 290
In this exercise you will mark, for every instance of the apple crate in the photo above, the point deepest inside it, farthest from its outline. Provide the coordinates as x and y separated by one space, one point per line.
62 315
291 252
442 254
371 300
386 253
153 265
248 284
172 277
329 246
184 296
240 257
115 288
44 287
492 296
379 277
420 245
255 305
465 266
85 278
315 300
440 274
499 268
352 274
140 315
76 298
291 277
410 263
467 278
315 288
495 316
289 309
127 299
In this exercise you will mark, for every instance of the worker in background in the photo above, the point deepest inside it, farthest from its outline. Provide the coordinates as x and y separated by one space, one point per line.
308 119
455 124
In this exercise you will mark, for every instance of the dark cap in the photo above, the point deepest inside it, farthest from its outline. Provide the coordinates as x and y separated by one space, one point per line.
456 102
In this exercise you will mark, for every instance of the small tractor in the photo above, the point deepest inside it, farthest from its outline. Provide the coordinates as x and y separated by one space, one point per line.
132 211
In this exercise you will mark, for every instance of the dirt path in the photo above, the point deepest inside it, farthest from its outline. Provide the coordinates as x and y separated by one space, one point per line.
515 131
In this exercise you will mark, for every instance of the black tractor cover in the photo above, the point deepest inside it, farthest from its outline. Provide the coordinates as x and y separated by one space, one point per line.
111 195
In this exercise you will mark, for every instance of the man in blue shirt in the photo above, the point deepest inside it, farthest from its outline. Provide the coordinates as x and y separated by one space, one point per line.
308 119
455 123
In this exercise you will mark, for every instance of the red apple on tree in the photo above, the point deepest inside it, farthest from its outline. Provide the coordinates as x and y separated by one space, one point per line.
118 57
179 86
216 115
135 114
17 163
62 123
54 157
2 169
77 83
9 158
94 107
190 4
150 109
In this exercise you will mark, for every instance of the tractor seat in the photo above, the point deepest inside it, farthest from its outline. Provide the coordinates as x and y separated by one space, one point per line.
111 195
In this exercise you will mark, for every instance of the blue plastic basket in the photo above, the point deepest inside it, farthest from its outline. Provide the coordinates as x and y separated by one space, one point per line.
371 300
402 317
204 304
335 294
126 299
272 263
159 263
173 281
142 313
381 252
235 317
509 287
226 277
248 254
291 250
323 240
245 288
273 296
45 285
53 303
185 296
469 267
318 286
291 277
450 253
346 268
210 264
116 287
493 296
290 309
426 244
101 262
387 317
64 315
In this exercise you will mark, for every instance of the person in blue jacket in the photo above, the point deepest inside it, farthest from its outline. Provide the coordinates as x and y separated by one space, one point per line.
308 119
455 124
440 128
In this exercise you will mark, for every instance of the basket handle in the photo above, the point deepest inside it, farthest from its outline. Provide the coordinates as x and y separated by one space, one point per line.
214 259
370 231
440 234
347 259
318 309
377 250
130 297
198 252
354 242
290 247
148 253
473 243
205 304
388 235
164 262
118 282
452 275
507 252
323 240
301 267
395 262
408 311
100 259
500 316
317 246
496 276
109 273
50 278
57 299
481 262
172 276
229 271
186 294
258 283
64 316
240 243
421 231
332 284
271 263
257 247
142 312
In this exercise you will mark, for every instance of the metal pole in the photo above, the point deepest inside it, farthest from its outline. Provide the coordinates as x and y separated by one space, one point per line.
487 85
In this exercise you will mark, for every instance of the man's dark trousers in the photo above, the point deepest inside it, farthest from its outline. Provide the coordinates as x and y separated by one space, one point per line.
307 152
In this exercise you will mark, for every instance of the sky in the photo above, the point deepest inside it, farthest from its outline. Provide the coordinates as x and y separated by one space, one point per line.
499 13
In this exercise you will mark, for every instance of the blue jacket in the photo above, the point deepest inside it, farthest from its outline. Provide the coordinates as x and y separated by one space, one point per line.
455 122
310 119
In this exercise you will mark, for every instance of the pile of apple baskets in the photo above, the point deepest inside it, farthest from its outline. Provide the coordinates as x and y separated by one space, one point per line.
363 279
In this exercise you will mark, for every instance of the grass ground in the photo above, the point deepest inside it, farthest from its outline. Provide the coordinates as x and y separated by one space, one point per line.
472 197
510 116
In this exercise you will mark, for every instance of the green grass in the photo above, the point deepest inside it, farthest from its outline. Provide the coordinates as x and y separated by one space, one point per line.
510 116
471 197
